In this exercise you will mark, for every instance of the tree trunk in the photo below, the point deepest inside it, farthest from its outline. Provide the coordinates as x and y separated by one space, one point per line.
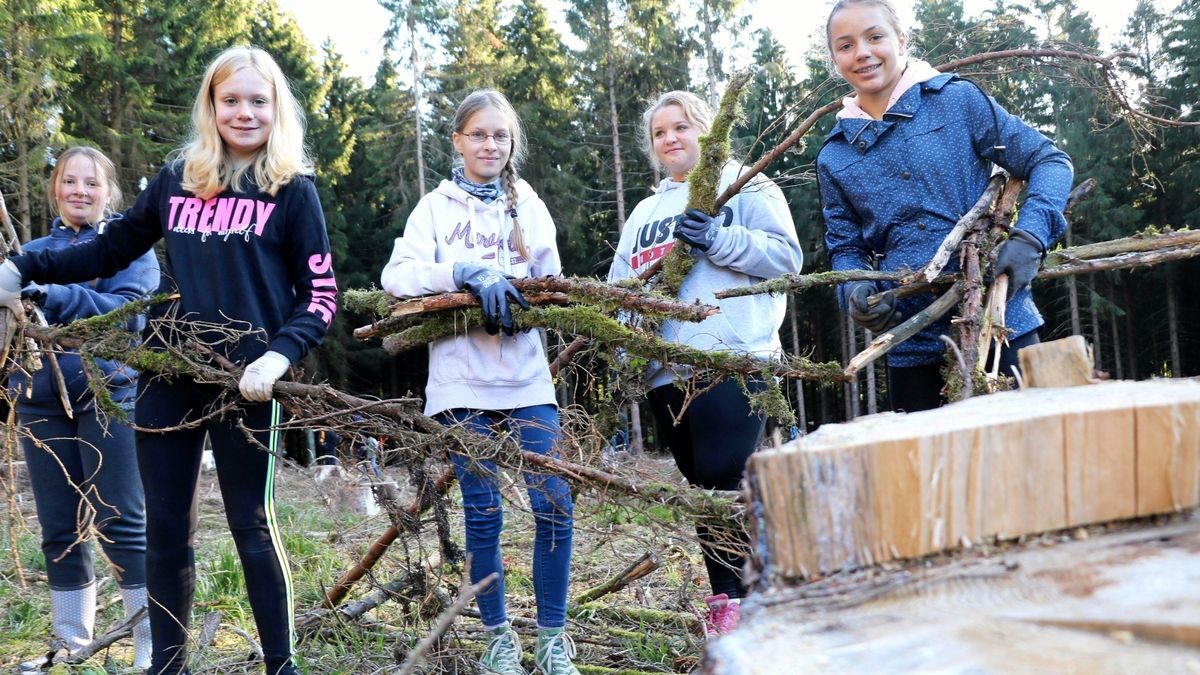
1072 292
710 55
1173 324
23 196
636 443
872 406
824 394
801 416
1130 334
614 121
416 70
850 349
1097 351
1116 347
116 103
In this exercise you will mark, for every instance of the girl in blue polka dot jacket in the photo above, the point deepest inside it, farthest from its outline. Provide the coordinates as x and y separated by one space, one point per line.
911 152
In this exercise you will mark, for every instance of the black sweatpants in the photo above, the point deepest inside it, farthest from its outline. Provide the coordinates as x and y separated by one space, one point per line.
716 435
169 464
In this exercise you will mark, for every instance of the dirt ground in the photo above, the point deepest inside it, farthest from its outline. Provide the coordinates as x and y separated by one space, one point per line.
650 626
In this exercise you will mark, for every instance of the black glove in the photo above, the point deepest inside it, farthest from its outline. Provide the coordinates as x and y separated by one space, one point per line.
35 293
493 291
1019 257
878 318
698 229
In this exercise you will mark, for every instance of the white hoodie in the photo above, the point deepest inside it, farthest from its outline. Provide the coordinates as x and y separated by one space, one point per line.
475 370
757 241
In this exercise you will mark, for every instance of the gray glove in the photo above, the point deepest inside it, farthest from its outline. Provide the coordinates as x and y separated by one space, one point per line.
1020 257
493 290
878 318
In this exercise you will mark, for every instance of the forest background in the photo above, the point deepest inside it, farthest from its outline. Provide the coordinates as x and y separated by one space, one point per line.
121 75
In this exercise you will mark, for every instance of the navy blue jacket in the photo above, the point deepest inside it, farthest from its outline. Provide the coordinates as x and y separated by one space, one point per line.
891 190
242 260
64 304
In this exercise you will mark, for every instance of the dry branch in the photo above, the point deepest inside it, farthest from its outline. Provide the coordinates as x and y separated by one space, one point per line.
543 291
420 503
465 594
636 570
915 324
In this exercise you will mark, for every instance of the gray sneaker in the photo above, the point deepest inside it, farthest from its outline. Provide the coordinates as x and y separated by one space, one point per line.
503 653
554 652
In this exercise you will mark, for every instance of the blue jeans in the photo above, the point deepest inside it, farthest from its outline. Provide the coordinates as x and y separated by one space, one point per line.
78 457
549 497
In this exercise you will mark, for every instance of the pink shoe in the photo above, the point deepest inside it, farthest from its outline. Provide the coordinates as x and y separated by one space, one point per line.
723 615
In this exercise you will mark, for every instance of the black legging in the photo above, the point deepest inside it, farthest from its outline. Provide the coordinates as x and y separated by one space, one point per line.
716 435
169 464
920 387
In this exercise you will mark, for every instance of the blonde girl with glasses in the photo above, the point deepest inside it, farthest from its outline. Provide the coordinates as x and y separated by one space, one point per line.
475 232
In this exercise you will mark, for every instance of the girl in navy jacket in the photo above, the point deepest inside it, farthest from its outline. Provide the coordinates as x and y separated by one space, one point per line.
910 154
84 462
247 249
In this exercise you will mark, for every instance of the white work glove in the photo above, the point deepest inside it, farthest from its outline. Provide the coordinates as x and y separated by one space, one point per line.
260 376
10 288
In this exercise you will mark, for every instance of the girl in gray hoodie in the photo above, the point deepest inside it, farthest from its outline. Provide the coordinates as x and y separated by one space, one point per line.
751 239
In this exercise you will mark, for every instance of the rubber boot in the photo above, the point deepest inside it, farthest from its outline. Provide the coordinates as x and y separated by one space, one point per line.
135 599
73 614
73 617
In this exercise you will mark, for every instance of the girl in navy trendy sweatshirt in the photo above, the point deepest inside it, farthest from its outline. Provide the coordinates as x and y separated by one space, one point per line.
81 460
247 249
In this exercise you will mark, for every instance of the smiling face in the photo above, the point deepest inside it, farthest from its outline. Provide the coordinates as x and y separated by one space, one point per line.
675 140
868 52
81 192
244 104
485 143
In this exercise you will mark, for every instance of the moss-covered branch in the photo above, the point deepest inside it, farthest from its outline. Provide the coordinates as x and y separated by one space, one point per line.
703 181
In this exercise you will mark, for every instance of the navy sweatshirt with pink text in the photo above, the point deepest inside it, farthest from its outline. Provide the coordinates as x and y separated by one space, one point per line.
243 260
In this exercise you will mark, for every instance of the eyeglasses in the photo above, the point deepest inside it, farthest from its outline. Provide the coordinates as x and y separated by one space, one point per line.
478 137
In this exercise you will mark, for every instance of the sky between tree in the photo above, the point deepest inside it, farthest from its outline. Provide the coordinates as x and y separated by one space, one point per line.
356 26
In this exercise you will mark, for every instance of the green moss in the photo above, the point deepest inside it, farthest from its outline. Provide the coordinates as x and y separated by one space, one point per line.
370 301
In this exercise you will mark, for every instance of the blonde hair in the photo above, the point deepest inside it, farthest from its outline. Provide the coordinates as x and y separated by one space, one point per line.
104 165
888 8
207 168
694 109
490 98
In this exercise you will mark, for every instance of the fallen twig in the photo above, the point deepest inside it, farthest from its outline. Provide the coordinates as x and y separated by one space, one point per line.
465 594
636 570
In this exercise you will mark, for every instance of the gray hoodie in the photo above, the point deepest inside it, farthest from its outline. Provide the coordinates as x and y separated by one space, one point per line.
475 370
757 241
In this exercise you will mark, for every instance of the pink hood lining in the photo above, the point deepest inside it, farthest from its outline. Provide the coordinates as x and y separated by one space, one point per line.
916 72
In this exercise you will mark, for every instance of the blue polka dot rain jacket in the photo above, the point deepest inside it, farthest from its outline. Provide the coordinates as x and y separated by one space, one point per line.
892 189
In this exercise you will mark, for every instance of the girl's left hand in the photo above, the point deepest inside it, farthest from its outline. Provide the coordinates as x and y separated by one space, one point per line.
698 229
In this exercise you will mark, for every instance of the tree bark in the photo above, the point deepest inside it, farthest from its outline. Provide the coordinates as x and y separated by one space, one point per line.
615 123
416 70
1097 346
801 413
1173 324
1072 290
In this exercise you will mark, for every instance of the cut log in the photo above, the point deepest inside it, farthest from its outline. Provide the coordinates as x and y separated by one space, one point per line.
894 486
1112 603
1059 363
